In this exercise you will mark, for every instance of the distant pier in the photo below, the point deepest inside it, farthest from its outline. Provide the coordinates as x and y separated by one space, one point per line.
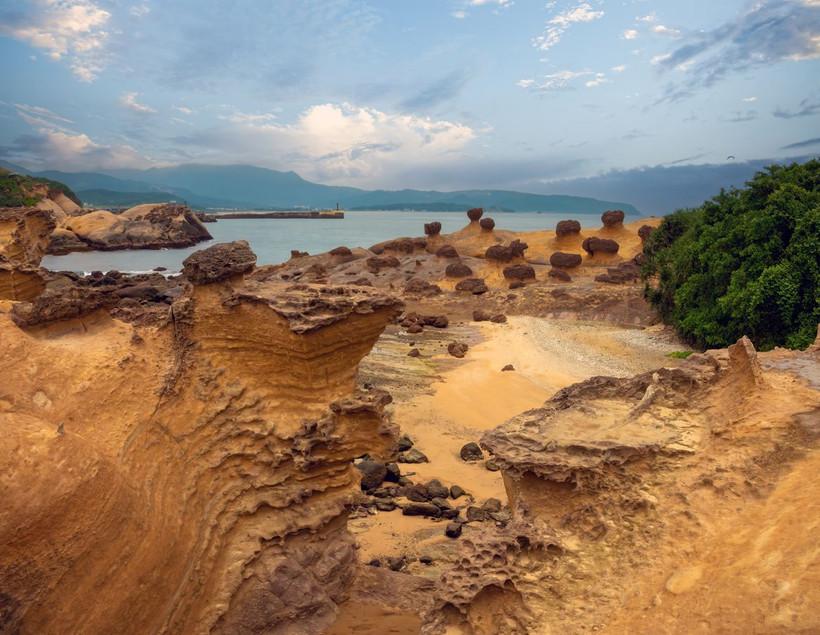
328 215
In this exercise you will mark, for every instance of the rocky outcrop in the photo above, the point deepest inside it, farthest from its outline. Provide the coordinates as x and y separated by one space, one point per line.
148 226
613 218
218 263
193 478
24 235
567 228
595 245
487 224
565 260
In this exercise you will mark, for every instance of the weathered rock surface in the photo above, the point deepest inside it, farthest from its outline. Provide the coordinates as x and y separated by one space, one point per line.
457 349
613 218
476 286
595 245
149 226
219 263
447 251
208 489
505 253
458 270
519 272
567 228
565 260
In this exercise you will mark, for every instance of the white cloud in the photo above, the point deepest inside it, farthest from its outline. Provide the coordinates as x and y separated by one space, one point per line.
647 18
140 10
459 15
618 69
66 29
561 80
500 3
658 59
184 110
244 117
630 34
660 29
599 79
558 24
338 143
129 100
753 99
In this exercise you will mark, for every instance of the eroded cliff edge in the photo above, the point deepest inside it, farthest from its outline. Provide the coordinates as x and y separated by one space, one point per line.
189 477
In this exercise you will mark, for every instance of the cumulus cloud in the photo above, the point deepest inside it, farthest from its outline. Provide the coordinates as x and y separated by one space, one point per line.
336 143
769 31
129 101
70 30
561 22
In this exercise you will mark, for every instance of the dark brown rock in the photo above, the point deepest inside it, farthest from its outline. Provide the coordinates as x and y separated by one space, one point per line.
476 286
517 284
476 514
456 491
508 367
487 224
567 228
565 260
519 272
471 452
475 213
432 229
421 509
612 218
437 490
219 262
412 456
457 349
404 443
373 473
559 274
491 505
295 253
505 253
499 318
645 231
458 270
491 465
377 263
414 352
595 245
453 530
338 251
417 286
480 315
447 251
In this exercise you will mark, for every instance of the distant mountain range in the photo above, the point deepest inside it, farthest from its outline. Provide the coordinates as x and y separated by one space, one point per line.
245 186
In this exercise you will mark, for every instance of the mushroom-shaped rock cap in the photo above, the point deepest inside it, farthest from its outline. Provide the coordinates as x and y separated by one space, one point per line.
432 229
567 228
219 262
458 270
595 245
645 231
341 251
612 218
563 259
487 224
447 251
475 213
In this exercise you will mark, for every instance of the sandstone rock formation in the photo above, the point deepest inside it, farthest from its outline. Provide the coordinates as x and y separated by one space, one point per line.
193 477
567 228
24 234
565 260
595 245
612 218
149 226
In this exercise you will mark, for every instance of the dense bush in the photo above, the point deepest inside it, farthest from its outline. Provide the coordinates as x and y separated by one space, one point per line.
17 190
746 262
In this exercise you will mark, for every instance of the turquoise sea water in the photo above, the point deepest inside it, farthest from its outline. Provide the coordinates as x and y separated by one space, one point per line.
272 239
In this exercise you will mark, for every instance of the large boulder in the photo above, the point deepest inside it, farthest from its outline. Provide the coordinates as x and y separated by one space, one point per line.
612 218
432 229
457 349
476 286
458 270
567 228
565 260
595 245
487 224
471 452
519 272
475 213
373 473
218 263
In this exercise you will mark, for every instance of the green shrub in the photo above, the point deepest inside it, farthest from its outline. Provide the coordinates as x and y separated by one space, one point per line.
746 262
679 354
17 190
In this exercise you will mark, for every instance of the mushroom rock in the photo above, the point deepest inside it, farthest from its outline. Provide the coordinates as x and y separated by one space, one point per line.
505 253
458 270
565 260
487 224
612 218
475 213
476 286
341 251
432 229
219 262
594 245
377 263
567 228
417 286
519 272
457 349
295 253
645 231
559 274
447 251
209 490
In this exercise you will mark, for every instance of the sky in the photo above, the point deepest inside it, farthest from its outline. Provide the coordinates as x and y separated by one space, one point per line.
390 94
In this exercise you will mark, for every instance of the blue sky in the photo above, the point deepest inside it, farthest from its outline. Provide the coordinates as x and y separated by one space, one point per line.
428 93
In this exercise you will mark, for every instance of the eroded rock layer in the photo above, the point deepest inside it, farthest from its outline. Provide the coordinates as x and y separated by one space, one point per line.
192 477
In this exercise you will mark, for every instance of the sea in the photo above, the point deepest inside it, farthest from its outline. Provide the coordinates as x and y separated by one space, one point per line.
273 239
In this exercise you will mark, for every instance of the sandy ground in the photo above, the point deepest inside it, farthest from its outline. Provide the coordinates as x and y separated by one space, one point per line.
475 395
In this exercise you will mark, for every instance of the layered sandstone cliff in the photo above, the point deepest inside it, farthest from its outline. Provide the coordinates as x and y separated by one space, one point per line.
24 236
192 477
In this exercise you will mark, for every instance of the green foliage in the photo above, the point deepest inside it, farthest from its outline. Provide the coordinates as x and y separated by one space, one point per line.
679 354
17 190
746 262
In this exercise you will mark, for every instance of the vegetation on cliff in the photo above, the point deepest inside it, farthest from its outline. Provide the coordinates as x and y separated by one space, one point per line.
17 190
747 262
